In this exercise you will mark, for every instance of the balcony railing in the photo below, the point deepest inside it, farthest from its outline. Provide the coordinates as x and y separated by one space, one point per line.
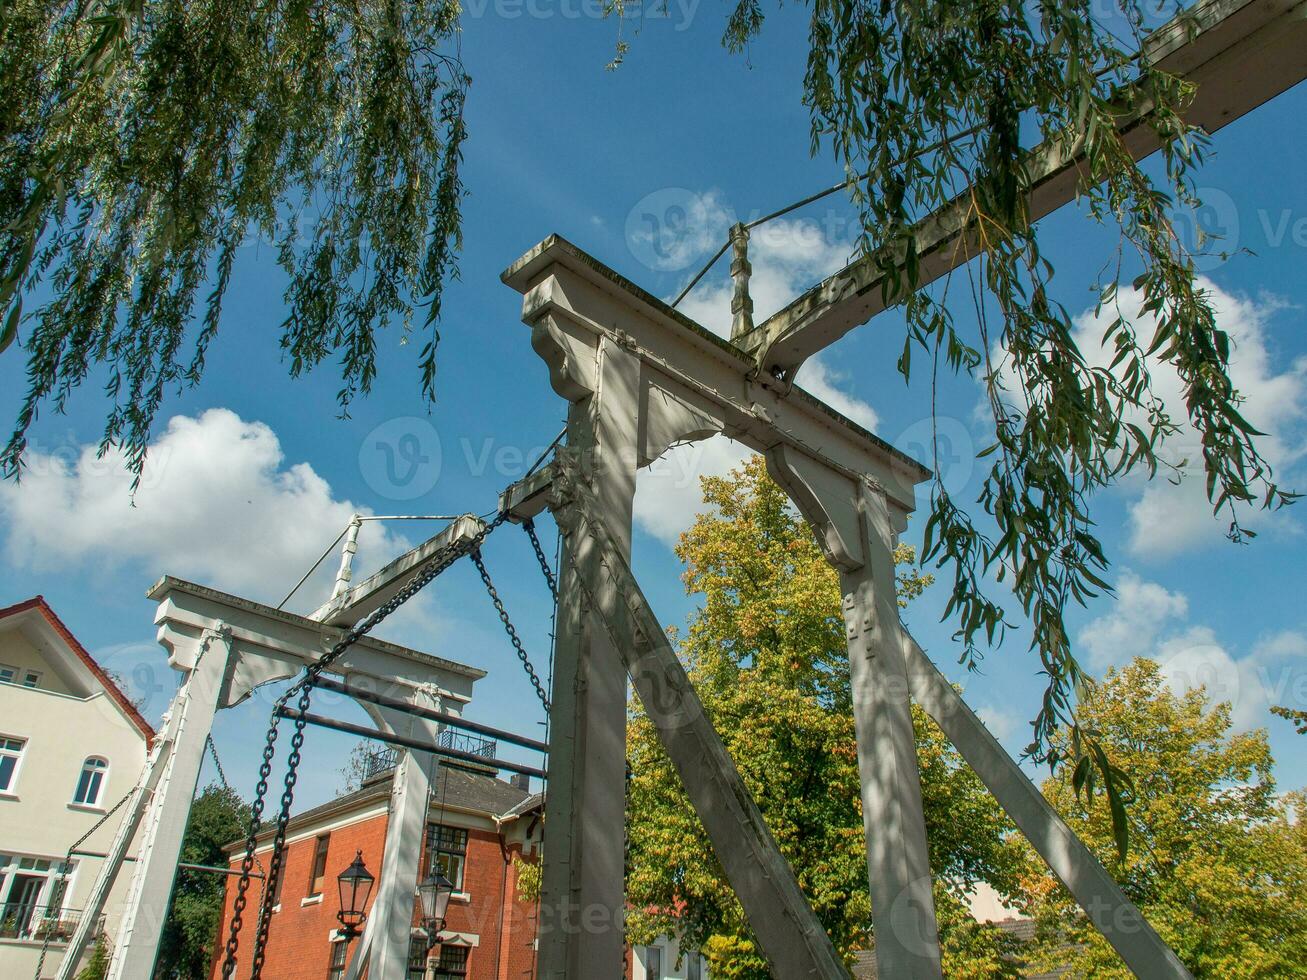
384 759
379 761
19 920
463 742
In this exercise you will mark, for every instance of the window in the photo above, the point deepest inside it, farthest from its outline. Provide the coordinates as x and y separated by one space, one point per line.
91 781
54 902
453 963
11 753
693 966
417 958
447 847
319 865
7 674
339 950
653 962
31 678
281 880
32 893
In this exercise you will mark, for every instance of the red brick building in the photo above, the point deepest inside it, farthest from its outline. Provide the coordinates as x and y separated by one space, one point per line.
478 823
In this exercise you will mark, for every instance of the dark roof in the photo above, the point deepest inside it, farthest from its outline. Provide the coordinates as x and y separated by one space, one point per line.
40 605
455 787
474 791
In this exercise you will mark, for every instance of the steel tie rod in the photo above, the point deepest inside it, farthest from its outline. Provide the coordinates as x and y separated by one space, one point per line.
349 728
431 714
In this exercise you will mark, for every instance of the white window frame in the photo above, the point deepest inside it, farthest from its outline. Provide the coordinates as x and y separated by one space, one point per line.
32 676
43 867
17 755
652 953
11 671
103 770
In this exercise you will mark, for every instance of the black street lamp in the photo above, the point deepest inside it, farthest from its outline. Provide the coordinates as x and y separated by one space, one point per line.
355 884
434 892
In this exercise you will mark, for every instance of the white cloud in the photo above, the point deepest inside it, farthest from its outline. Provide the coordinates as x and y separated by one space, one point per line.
815 377
1147 620
1001 724
675 230
218 503
1130 628
1167 516
667 496
788 256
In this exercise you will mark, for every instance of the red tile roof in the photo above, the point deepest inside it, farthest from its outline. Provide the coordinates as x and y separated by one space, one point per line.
38 603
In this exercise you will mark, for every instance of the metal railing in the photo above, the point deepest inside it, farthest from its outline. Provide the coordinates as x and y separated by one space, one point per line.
463 742
384 759
379 761
20 920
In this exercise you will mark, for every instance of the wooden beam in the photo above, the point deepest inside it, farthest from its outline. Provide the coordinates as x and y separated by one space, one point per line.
1244 53
366 597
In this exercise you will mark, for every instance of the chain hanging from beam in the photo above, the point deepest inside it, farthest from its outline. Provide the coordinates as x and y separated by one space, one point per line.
65 867
304 688
529 526
510 630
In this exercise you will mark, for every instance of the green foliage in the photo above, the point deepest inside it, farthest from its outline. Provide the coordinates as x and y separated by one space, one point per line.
142 141
1219 865
1299 718
767 655
218 817
972 950
927 99
97 964
528 878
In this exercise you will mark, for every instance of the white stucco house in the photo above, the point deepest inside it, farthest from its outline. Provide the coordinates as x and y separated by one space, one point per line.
663 960
71 746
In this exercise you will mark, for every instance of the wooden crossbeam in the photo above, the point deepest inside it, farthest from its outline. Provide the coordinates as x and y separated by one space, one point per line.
1244 53
369 595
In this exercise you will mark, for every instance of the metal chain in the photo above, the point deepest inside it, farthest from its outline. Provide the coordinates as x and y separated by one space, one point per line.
64 868
304 688
217 763
222 777
510 630
530 527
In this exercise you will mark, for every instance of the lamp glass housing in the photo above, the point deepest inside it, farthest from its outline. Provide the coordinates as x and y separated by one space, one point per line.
355 884
434 893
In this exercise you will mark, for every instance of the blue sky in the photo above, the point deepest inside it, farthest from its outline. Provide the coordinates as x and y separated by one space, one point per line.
253 475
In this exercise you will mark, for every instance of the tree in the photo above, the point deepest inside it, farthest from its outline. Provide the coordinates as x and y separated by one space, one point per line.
217 818
357 765
141 140
1299 718
767 654
97 965
1219 864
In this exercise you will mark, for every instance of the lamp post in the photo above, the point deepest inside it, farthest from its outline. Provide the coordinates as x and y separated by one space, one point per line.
434 892
355 884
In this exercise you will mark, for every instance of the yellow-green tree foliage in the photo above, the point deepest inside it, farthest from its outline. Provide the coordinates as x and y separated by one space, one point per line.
767 654
1217 862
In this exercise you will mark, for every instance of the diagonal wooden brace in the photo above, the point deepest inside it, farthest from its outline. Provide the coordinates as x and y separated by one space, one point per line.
791 936
1114 915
